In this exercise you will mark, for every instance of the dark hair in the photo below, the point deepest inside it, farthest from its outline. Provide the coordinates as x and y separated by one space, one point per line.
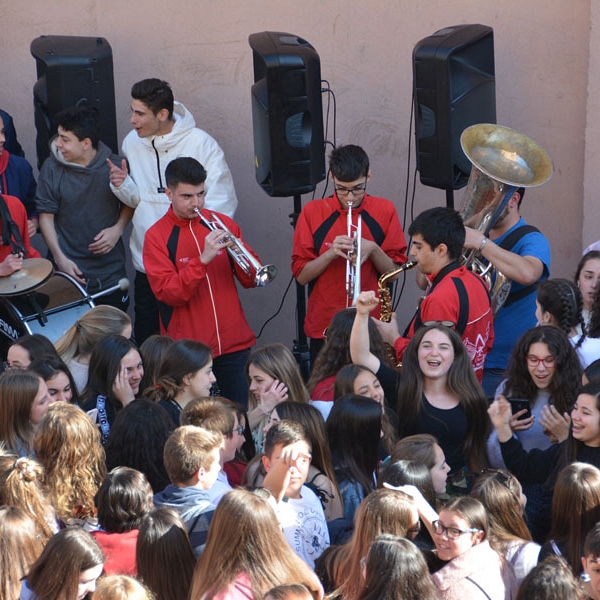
55 574
409 472
316 433
591 255
284 433
137 438
82 121
344 384
592 371
562 299
155 94
521 192
124 497
37 346
164 555
184 169
396 570
348 163
551 579
153 350
105 363
184 357
571 447
592 542
440 225
48 367
351 419
566 379
461 381
336 351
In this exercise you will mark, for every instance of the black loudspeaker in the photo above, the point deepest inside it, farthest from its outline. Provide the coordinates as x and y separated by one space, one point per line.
454 87
72 71
287 114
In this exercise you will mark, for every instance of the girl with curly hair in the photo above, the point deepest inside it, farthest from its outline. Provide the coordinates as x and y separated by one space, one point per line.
68 446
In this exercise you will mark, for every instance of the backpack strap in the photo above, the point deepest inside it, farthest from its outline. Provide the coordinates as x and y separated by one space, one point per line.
508 243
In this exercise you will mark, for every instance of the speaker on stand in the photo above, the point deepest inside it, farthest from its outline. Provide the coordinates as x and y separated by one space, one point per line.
453 88
287 119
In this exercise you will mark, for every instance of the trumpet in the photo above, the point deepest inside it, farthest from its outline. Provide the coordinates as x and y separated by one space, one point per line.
263 275
353 261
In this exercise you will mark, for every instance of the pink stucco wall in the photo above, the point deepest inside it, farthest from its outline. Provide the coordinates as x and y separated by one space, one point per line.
542 50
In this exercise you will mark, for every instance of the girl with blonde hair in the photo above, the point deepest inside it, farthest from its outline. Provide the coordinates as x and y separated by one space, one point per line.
121 587
382 511
273 376
68 445
76 344
22 486
20 547
246 553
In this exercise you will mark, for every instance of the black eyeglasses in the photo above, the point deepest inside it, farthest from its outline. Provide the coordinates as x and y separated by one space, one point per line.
452 533
239 430
356 191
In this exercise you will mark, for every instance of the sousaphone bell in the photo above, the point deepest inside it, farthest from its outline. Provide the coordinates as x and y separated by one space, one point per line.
503 160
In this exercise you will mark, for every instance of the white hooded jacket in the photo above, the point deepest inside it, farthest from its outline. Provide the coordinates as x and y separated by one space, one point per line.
148 159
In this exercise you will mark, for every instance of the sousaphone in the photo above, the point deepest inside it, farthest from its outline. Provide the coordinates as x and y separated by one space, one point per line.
503 160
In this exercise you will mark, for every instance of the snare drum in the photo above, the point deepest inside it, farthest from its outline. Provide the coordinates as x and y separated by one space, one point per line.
49 309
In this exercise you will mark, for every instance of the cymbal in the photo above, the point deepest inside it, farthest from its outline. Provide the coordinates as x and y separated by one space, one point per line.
32 274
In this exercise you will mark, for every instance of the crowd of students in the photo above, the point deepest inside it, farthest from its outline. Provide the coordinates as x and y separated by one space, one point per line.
137 472
386 484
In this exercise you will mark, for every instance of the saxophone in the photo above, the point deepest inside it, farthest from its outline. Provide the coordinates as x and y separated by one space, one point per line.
386 308
383 290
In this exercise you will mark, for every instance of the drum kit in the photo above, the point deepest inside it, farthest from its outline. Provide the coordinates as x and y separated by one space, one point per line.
36 299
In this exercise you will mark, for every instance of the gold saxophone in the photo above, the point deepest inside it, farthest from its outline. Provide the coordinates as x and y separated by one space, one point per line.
386 308
383 290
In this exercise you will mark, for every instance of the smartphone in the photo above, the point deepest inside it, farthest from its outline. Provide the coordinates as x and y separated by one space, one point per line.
517 405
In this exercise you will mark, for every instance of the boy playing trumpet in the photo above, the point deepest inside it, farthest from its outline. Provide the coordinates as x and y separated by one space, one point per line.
191 275
322 241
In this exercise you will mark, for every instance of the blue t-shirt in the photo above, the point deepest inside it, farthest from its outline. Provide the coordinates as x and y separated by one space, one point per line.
514 320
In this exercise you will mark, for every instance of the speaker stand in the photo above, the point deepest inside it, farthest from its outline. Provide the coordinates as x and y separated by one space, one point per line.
449 198
300 347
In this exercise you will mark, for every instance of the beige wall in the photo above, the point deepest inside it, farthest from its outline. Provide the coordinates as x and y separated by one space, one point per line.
543 72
